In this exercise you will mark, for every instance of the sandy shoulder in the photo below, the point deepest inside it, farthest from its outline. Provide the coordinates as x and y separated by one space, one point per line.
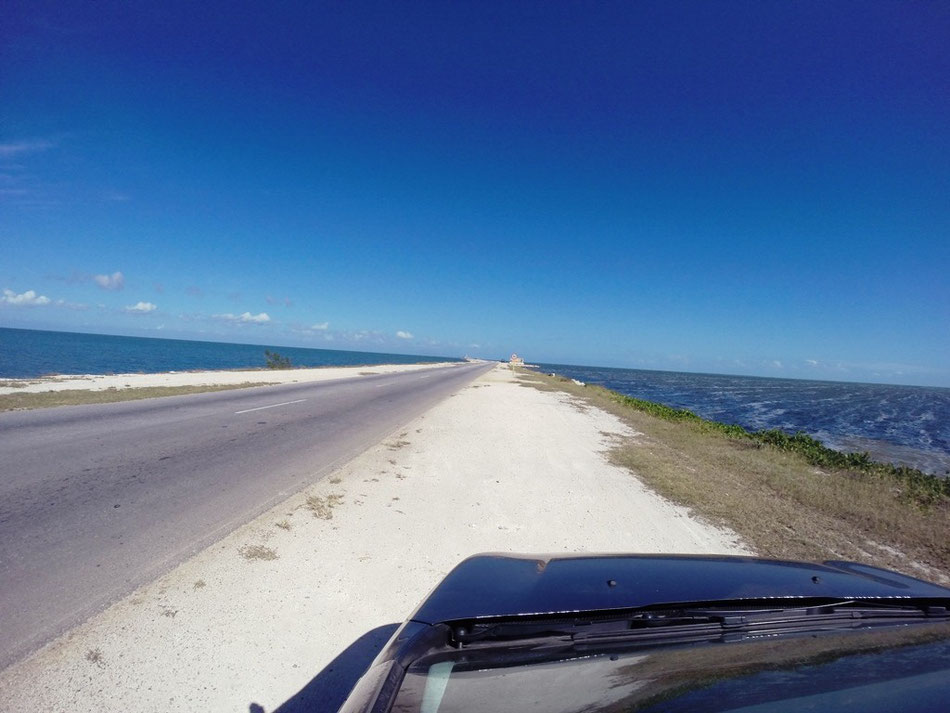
101 382
496 467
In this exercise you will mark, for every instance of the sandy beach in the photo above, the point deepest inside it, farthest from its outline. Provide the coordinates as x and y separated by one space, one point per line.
286 608
101 382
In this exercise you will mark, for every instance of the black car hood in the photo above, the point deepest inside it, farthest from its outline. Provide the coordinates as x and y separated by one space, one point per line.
501 585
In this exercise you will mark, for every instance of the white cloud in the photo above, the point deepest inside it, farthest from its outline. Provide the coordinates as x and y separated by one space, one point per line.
141 308
404 335
320 326
24 299
776 364
811 362
115 281
246 317
14 148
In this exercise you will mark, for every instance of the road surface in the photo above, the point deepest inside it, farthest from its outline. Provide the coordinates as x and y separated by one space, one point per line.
98 500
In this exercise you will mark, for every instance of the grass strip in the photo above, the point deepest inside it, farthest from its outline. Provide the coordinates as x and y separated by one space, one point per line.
923 488
77 397
786 496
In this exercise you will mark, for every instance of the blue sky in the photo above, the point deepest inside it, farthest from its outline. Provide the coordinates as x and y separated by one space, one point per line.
755 188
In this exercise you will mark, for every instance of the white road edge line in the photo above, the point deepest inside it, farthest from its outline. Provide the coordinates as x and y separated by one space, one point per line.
261 408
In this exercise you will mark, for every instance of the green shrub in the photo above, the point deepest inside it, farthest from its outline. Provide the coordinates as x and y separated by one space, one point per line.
276 361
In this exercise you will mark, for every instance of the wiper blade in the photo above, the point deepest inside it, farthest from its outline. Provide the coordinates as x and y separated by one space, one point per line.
836 611
692 624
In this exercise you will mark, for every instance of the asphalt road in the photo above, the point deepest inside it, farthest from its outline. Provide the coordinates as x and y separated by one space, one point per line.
98 500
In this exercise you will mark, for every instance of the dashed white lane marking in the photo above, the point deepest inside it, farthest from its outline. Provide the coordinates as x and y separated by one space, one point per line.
261 408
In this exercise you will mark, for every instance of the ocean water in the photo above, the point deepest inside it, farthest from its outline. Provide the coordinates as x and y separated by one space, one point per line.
26 353
906 425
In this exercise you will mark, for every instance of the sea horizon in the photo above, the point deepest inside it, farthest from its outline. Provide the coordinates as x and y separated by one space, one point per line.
427 357
905 425
28 360
541 365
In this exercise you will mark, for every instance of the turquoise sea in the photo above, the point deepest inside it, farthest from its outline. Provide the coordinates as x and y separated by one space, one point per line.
26 353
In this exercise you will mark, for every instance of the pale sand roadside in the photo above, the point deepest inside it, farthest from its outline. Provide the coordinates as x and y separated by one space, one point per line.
496 467
101 382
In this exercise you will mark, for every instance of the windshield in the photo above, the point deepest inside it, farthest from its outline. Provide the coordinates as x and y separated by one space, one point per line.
904 669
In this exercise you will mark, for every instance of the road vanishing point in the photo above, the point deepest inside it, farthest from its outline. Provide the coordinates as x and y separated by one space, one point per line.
98 500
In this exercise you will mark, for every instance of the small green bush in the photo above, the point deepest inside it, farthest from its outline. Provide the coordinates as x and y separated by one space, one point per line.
276 361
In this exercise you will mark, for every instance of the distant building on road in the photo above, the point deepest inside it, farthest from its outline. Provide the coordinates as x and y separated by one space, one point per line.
516 360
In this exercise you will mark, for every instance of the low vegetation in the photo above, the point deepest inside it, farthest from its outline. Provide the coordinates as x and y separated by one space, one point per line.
276 361
7 384
94 656
787 496
322 507
915 485
77 397
258 552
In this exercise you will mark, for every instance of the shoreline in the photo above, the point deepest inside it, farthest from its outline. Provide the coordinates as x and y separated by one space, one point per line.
901 424
93 354
800 441
211 377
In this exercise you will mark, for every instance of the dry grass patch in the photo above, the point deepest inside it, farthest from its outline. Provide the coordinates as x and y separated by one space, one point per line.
78 397
322 507
780 504
6 384
258 552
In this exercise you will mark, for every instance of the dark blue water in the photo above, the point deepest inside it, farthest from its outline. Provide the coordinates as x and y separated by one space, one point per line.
907 425
28 353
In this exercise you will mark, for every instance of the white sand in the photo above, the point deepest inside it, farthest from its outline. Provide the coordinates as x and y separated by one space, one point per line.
496 467
101 382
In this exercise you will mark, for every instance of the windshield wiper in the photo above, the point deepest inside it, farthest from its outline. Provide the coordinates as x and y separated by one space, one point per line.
689 624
